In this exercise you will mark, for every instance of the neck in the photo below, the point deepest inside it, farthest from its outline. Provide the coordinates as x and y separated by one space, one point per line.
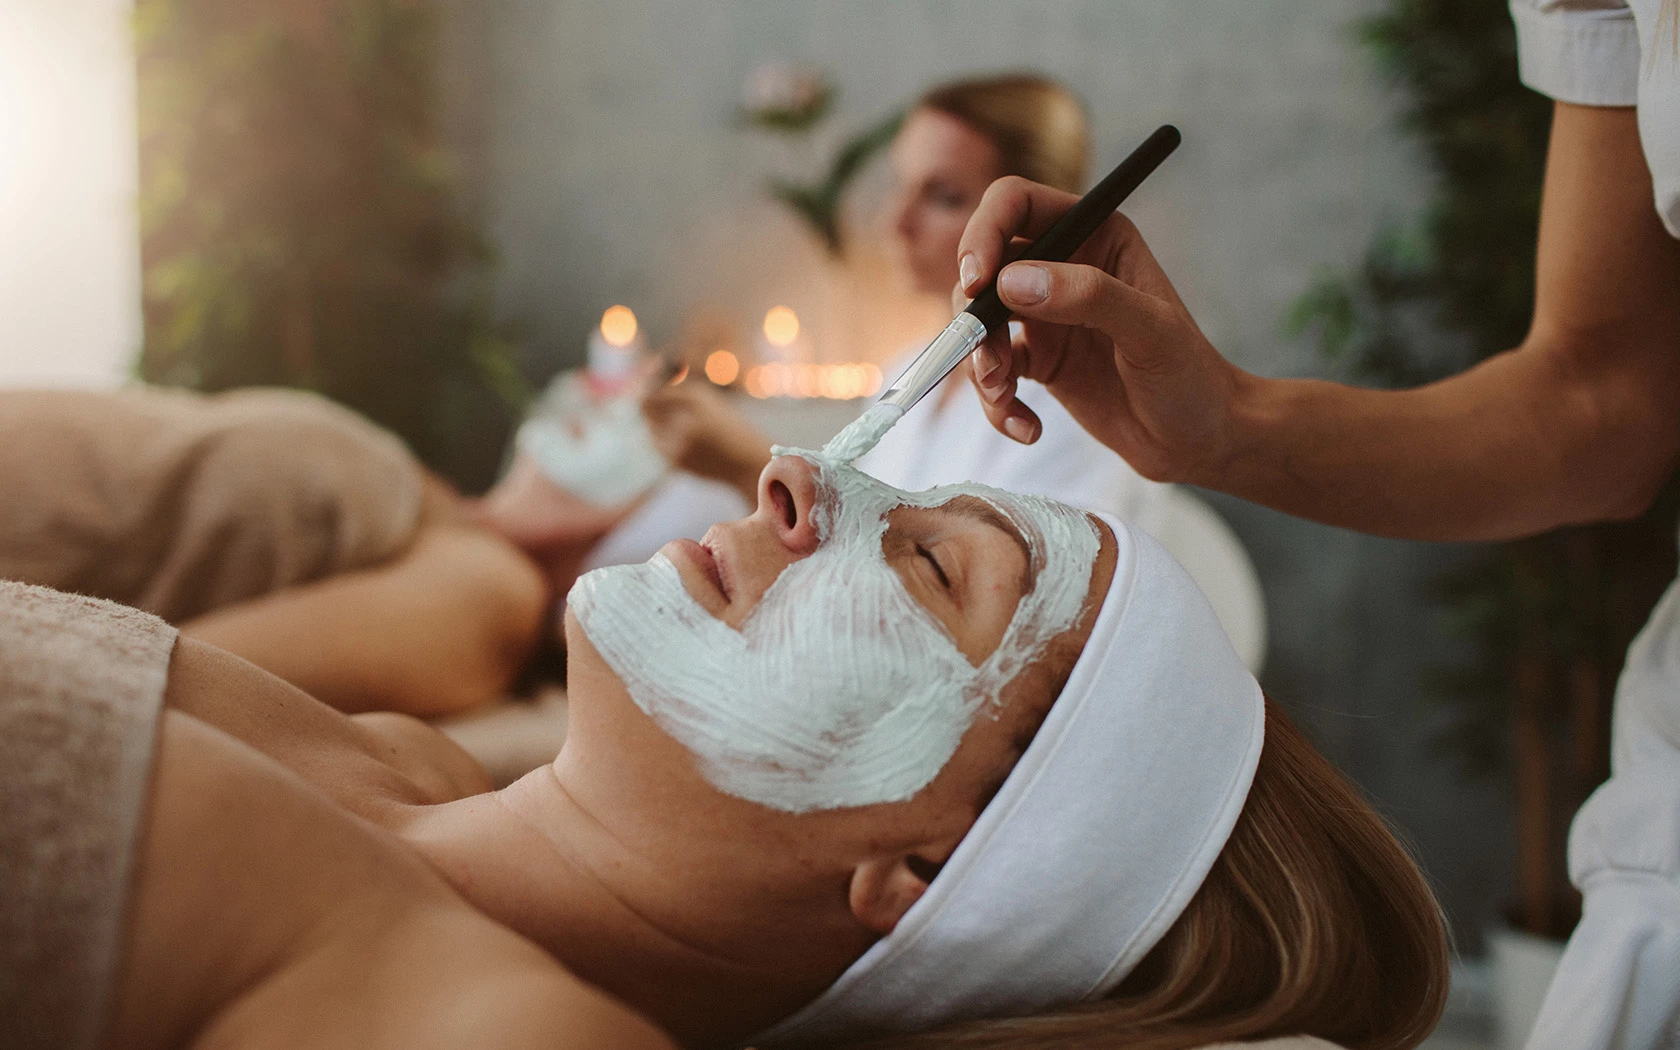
662 931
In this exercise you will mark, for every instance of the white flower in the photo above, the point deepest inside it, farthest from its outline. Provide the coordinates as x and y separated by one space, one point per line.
785 94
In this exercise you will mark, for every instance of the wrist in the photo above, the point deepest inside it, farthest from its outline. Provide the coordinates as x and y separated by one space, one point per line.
1251 413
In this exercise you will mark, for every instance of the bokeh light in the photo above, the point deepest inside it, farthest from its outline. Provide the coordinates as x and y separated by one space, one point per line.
837 382
618 325
781 326
722 367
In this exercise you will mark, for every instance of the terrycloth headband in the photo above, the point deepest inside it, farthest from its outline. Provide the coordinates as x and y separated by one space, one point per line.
1098 839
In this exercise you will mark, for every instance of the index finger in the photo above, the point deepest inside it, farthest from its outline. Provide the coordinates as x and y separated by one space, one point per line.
1011 207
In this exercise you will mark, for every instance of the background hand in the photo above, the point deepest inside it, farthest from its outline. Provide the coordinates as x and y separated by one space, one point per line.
698 430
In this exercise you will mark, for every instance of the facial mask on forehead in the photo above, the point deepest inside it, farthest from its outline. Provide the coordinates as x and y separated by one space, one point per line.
840 689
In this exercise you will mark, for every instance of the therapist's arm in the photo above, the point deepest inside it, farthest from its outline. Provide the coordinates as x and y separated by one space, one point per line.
1579 423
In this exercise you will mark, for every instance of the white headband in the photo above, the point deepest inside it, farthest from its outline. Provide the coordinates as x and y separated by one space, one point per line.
1098 839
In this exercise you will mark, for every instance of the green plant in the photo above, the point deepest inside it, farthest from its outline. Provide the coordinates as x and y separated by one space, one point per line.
1550 616
790 101
300 223
818 203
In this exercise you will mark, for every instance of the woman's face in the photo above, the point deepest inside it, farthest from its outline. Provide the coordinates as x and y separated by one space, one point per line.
941 167
810 657
963 562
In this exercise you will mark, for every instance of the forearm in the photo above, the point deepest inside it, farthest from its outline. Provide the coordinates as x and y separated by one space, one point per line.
1529 440
442 628
1581 423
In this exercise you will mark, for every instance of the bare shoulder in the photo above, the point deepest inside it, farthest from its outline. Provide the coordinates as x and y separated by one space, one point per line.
362 761
531 1006
469 981
438 977
442 769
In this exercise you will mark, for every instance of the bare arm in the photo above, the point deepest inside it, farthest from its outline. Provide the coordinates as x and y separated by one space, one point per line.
1581 422
443 627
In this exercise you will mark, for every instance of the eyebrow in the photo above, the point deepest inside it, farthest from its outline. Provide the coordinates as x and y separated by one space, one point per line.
976 509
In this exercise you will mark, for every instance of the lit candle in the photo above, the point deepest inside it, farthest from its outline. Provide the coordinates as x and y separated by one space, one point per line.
615 344
781 326
722 367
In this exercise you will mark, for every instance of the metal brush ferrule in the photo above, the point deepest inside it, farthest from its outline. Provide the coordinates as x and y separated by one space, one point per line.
946 352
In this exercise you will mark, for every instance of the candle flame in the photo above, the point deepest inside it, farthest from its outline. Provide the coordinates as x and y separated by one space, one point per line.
618 326
722 367
836 382
781 326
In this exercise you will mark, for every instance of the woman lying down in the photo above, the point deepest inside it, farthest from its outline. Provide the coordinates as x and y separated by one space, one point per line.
952 769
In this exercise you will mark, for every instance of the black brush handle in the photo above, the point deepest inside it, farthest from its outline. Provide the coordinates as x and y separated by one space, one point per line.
1067 233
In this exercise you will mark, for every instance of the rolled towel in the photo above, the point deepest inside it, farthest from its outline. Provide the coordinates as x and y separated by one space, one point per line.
179 503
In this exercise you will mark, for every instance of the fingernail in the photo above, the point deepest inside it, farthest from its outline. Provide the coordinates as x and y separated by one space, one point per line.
1019 429
968 270
1024 284
994 394
986 361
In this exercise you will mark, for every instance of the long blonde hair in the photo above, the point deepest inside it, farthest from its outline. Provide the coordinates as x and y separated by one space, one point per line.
1037 125
1313 921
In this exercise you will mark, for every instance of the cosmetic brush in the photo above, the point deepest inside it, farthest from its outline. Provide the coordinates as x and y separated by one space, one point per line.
987 313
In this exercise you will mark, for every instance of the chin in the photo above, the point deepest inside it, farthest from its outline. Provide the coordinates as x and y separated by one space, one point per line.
581 657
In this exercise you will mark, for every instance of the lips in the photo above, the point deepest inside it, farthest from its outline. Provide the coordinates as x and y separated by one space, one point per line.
704 559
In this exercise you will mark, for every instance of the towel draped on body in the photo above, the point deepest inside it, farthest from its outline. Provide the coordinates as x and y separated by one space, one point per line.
81 687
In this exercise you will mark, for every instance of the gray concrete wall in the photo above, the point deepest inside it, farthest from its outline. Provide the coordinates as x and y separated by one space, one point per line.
602 152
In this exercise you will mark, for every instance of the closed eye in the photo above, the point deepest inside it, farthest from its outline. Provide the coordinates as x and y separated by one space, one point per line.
938 570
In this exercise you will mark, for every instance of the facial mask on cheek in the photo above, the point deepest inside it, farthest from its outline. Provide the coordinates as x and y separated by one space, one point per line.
840 689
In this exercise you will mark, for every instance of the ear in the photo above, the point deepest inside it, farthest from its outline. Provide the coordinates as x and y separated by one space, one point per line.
883 889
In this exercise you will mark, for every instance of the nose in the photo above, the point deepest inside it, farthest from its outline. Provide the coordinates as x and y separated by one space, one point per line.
787 495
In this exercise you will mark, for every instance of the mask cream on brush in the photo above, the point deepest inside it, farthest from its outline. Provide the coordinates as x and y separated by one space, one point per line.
840 689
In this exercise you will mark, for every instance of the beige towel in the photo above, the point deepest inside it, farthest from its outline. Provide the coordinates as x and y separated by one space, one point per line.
179 503
81 685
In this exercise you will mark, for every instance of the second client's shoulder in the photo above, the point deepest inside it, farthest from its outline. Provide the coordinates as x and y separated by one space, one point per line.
446 977
515 997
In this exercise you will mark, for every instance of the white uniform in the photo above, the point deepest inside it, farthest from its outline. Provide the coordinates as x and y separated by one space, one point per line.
1619 982
1611 53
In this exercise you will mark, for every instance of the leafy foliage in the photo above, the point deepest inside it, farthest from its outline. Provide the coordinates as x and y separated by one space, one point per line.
1550 616
299 219
1465 269
818 203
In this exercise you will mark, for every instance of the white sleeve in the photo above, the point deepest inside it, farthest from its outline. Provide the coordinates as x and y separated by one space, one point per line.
1580 51
1618 985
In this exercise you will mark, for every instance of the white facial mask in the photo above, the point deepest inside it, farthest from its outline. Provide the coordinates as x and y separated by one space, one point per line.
840 689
